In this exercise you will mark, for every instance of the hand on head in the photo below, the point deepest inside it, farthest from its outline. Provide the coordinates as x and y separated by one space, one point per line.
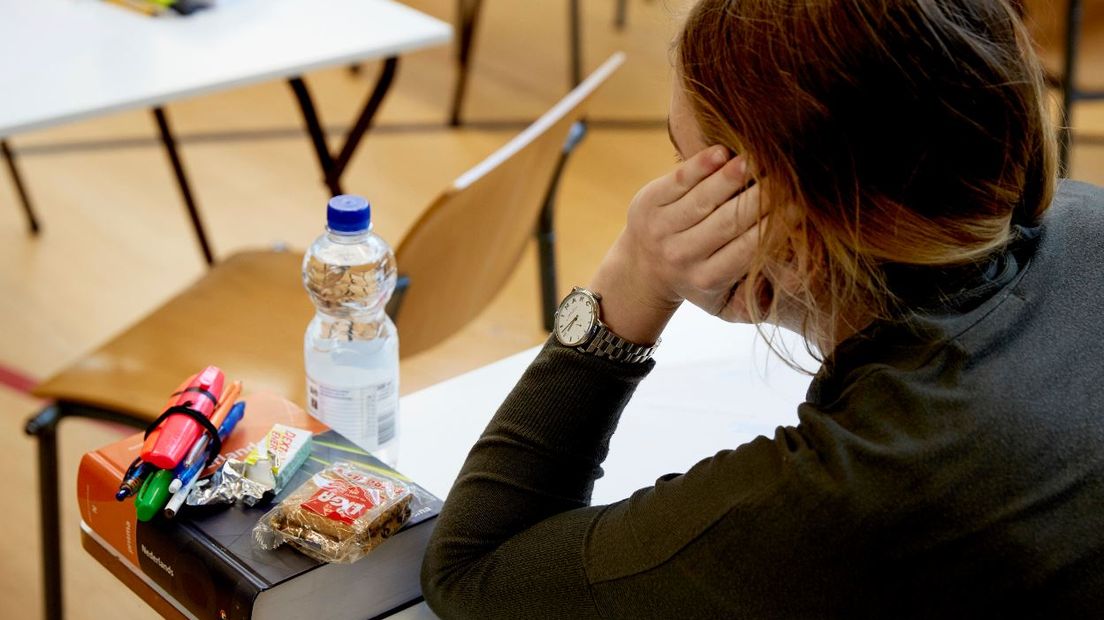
691 235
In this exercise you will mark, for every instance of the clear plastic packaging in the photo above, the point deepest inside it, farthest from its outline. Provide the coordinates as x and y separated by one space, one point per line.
338 515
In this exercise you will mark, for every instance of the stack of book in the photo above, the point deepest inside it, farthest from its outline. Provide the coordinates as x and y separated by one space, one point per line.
204 562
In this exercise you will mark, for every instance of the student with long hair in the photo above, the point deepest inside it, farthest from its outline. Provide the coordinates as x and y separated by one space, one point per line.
879 176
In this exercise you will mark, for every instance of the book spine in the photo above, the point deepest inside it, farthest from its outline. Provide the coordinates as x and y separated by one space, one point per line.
114 521
179 558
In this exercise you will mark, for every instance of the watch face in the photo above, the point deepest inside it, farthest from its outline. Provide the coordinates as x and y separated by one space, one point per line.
575 318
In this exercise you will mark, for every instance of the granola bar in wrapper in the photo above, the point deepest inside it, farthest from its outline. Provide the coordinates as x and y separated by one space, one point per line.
261 475
338 515
275 459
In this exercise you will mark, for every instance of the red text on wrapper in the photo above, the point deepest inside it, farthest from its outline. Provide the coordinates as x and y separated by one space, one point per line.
340 501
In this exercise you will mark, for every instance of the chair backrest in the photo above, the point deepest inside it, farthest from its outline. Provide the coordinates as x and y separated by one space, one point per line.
461 251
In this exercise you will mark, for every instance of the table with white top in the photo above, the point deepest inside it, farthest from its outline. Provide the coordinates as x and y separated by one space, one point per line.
68 60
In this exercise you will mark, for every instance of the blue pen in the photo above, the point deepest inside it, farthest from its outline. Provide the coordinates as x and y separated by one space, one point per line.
133 478
190 468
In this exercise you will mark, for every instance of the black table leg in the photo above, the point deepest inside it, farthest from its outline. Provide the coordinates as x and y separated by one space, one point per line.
182 182
20 188
334 167
314 129
467 18
364 121
622 14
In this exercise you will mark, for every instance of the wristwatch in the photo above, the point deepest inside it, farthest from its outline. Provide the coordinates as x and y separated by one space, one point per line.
578 324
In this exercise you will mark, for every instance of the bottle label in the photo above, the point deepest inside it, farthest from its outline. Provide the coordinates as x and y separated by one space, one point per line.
365 415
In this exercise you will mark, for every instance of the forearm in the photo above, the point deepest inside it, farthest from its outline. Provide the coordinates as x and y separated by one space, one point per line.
538 458
628 308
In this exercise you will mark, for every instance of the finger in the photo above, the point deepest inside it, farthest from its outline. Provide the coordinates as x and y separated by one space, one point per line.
732 261
674 185
727 222
707 196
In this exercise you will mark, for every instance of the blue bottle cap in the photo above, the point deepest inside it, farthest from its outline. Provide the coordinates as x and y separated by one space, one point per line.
348 214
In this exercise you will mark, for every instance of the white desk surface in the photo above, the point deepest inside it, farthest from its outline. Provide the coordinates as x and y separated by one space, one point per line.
64 60
715 386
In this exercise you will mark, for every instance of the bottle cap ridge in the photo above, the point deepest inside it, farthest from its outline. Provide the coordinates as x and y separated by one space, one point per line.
348 213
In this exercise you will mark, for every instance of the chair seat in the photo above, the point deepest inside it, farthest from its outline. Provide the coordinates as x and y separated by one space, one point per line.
247 316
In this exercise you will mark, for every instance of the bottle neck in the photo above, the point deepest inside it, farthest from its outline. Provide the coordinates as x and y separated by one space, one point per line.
347 238
367 325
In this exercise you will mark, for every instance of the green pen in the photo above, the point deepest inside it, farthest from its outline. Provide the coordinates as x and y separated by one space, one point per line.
153 495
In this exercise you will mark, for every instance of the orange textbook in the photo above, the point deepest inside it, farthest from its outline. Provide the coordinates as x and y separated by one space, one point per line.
204 561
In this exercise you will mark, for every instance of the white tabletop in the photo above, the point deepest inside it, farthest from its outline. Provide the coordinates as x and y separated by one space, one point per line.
715 386
63 60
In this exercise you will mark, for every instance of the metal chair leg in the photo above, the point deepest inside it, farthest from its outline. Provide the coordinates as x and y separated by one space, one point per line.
402 284
467 14
20 188
1069 77
546 247
546 233
1069 84
44 427
576 43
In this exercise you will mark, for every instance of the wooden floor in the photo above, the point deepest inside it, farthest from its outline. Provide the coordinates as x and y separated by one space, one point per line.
116 242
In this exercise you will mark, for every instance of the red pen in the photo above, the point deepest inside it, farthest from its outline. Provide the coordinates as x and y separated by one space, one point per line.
169 443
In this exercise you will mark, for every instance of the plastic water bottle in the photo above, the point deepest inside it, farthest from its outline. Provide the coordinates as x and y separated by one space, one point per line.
351 345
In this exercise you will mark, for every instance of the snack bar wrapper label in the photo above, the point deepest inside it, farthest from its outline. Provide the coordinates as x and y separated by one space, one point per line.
342 502
276 458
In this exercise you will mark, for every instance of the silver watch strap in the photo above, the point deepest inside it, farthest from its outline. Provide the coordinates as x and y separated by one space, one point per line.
608 344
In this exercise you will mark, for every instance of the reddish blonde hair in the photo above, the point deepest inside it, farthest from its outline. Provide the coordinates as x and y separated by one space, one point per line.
883 132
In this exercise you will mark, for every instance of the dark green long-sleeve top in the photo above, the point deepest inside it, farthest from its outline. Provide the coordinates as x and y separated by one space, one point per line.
952 467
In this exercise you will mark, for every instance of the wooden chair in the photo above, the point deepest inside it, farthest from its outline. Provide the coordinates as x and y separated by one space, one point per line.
455 258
